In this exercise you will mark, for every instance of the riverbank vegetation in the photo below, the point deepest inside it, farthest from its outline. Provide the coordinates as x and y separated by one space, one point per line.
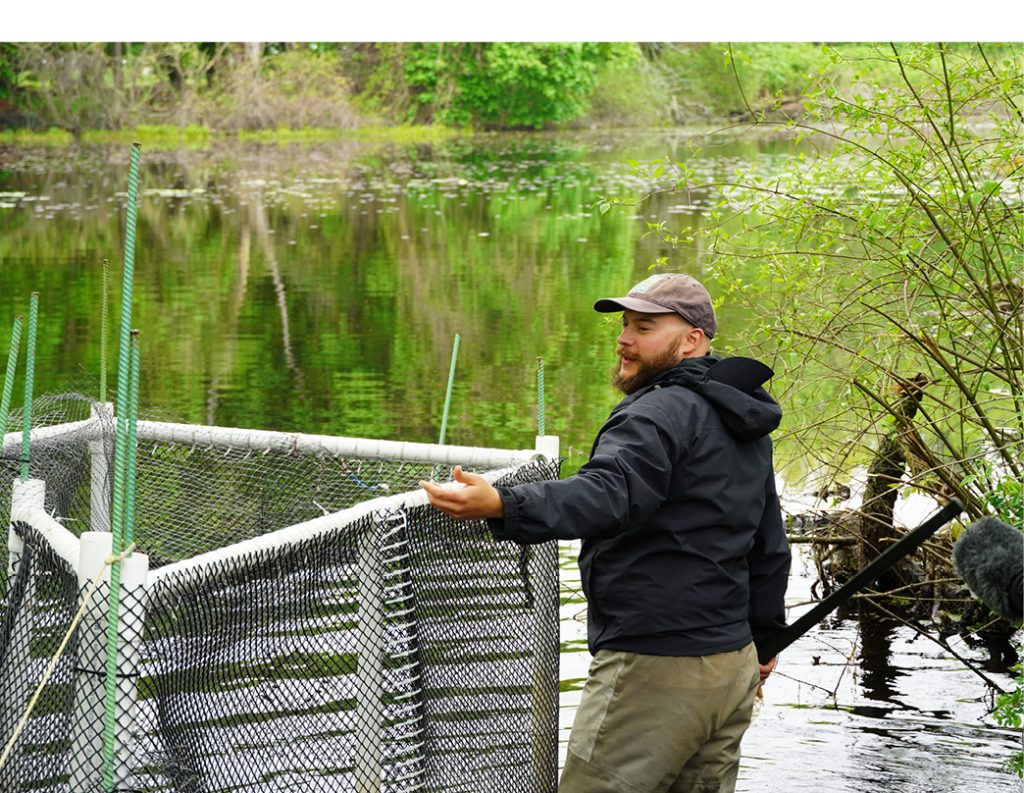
887 269
214 89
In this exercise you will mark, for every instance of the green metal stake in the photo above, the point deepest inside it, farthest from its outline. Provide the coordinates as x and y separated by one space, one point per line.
133 423
114 602
124 357
104 312
120 470
12 363
448 393
540 397
30 371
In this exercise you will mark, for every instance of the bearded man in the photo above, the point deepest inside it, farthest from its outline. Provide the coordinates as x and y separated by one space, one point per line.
684 559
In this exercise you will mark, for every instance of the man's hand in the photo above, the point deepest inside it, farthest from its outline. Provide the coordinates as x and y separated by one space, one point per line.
476 499
766 669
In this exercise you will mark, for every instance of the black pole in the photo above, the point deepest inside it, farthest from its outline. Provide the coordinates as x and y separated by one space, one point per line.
906 545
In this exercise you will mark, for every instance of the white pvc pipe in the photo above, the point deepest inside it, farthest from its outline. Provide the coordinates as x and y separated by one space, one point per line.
49 433
61 541
368 733
544 706
299 443
130 629
90 686
200 567
548 446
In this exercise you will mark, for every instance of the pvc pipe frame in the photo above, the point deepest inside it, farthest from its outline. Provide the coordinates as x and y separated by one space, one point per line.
66 544
293 443
79 554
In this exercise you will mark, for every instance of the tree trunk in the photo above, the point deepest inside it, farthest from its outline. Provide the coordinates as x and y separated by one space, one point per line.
885 475
118 70
254 53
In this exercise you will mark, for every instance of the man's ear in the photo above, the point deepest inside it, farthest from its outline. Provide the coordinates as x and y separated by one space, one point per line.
692 340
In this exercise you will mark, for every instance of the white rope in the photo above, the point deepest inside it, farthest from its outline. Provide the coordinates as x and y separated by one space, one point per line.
60 650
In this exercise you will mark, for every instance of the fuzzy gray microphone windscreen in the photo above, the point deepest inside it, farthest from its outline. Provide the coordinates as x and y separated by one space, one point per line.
989 556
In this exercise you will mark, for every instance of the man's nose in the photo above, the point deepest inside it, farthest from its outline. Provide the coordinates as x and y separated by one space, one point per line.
625 338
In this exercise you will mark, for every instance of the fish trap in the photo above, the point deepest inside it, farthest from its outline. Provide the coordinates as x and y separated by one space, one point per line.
296 616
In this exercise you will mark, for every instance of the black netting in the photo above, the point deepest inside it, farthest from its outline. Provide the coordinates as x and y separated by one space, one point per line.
403 651
41 600
62 458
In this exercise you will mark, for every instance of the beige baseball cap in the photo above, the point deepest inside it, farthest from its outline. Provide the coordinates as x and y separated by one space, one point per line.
667 293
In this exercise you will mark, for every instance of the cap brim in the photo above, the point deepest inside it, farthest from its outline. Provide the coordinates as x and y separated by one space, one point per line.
607 305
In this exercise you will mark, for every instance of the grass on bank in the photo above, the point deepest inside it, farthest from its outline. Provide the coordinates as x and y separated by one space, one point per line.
168 136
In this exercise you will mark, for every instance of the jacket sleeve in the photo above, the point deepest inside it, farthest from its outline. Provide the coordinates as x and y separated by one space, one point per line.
768 563
625 481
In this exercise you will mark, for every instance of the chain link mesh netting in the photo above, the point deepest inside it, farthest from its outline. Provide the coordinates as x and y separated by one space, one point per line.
403 651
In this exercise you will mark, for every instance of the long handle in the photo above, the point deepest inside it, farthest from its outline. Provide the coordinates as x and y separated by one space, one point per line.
906 545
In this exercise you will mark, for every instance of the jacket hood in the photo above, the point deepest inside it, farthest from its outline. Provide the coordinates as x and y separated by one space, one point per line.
734 387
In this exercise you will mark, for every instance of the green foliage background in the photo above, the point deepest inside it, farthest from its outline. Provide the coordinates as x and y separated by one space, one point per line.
481 85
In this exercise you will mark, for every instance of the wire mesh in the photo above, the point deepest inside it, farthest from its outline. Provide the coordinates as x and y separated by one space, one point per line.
402 651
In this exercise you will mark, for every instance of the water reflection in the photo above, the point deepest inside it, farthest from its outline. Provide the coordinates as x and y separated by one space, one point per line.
854 707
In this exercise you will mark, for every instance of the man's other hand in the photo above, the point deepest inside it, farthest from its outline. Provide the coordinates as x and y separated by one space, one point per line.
475 499
766 669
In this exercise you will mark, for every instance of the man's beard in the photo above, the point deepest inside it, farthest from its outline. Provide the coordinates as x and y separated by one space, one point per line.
646 372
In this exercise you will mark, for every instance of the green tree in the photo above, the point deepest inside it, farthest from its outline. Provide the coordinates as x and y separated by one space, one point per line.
503 85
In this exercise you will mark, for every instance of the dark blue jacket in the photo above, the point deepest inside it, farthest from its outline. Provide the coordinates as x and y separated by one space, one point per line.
684 550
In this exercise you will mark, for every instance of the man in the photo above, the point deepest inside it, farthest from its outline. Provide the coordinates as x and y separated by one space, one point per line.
684 560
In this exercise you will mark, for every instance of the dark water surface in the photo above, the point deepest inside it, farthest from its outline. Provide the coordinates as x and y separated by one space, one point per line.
318 289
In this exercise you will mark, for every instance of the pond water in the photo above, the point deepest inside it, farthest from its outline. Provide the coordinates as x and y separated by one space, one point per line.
318 289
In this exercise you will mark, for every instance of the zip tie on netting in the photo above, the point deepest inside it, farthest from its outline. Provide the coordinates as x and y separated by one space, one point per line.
86 600
540 397
30 370
12 363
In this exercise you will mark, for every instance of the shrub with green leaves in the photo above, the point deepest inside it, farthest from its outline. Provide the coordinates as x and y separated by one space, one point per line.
503 84
886 266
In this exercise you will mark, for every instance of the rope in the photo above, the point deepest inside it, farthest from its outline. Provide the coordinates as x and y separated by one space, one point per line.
110 560
30 370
